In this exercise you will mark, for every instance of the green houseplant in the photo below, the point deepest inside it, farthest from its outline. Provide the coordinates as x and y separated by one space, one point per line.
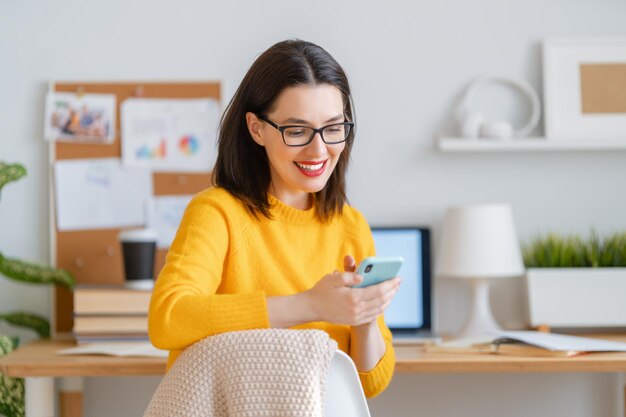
555 251
576 282
12 389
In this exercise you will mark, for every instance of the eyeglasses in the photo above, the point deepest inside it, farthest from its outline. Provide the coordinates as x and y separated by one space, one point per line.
294 135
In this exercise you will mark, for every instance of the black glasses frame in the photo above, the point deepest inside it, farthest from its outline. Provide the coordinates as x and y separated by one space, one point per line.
281 129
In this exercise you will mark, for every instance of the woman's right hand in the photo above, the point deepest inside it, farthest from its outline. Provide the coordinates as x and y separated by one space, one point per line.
334 300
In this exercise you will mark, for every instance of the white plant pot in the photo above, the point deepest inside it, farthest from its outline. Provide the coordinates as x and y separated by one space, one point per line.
577 297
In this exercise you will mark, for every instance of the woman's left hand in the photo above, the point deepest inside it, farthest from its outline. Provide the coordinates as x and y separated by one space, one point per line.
367 345
349 265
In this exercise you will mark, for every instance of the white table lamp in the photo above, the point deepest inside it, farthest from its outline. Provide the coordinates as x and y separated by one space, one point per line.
479 243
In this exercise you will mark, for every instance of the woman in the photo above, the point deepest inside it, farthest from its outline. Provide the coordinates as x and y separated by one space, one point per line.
264 247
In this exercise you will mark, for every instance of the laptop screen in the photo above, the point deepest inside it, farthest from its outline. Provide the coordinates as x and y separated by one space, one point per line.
410 308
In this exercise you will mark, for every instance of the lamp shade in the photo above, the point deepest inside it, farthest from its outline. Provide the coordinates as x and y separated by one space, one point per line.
479 241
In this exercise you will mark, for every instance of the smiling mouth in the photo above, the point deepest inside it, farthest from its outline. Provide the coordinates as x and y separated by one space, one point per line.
311 169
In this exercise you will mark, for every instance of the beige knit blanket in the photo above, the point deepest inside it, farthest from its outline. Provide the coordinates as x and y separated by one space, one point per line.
269 372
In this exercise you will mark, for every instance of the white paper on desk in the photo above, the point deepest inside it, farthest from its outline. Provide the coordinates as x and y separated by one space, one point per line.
164 216
169 135
557 342
100 193
116 349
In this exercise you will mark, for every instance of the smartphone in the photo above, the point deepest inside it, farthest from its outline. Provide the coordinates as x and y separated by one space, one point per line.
377 269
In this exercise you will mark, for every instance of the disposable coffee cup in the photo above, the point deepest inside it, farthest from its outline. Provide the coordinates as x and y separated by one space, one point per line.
138 252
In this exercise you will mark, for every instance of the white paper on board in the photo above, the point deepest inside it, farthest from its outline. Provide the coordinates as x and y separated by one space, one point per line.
169 135
164 216
100 194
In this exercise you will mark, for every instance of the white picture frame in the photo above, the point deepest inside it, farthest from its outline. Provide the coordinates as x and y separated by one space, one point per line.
563 107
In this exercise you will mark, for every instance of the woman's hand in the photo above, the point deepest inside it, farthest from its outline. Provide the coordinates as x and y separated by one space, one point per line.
349 265
333 300
367 345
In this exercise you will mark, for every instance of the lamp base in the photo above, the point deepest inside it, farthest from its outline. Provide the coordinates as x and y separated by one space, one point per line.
480 321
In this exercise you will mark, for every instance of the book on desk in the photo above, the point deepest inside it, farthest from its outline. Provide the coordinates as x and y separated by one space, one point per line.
110 313
509 348
528 344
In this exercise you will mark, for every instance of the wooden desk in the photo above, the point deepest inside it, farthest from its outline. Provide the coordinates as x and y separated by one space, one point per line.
38 359
37 362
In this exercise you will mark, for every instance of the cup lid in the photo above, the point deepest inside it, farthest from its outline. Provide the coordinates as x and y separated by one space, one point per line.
138 235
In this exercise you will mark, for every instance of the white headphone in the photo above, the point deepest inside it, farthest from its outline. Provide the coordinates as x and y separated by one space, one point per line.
473 124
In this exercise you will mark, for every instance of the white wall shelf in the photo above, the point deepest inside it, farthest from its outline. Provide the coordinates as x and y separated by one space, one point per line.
529 144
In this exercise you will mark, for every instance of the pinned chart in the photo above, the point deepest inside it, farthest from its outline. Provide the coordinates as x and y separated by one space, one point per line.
169 134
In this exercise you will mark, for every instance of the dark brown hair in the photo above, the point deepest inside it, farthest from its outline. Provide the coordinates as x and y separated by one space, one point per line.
242 166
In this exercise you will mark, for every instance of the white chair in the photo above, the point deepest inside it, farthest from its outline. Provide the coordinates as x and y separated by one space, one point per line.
261 372
344 393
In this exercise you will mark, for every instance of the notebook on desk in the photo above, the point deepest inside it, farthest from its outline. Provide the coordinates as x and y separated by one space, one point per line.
409 314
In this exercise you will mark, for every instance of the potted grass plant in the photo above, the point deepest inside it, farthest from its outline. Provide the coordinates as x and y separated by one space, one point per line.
576 282
12 389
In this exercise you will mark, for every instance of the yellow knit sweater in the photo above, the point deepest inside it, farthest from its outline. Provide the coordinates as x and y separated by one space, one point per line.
223 264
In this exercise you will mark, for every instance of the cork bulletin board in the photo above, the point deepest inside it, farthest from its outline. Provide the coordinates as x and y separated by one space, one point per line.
94 256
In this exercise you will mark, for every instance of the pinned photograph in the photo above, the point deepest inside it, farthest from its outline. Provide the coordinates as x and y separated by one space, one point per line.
87 118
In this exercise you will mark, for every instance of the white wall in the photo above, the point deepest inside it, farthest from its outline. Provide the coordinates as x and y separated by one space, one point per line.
407 62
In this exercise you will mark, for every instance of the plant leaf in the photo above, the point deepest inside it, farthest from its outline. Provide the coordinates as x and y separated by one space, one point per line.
11 389
8 344
10 173
35 273
556 251
30 321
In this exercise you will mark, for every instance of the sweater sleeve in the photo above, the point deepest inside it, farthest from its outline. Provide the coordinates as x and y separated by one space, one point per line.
184 307
378 378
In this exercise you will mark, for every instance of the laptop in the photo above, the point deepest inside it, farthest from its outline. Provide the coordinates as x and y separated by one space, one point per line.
409 314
